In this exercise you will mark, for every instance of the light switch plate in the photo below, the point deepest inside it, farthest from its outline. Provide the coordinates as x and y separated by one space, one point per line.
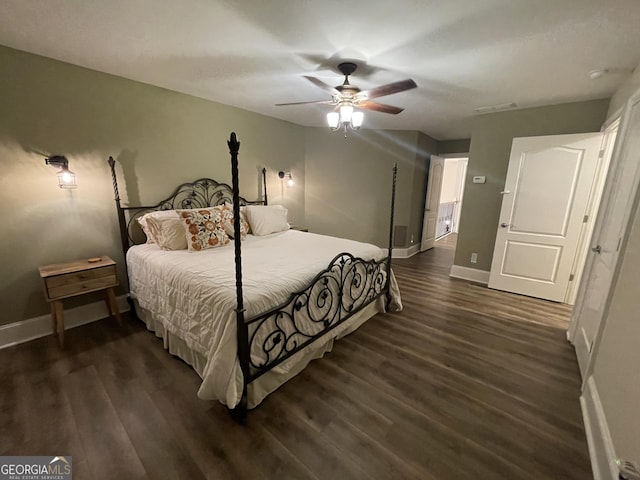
479 179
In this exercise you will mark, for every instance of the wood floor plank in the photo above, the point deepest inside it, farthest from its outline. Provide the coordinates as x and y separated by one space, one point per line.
466 382
107 447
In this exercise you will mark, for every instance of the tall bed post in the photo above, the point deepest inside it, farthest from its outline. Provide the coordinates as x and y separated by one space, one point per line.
264 184
240 410
390 248
121 220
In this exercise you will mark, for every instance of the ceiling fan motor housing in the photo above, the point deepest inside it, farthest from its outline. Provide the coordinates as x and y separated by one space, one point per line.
347 68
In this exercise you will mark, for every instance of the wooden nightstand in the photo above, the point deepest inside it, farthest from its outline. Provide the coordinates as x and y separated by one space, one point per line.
71 279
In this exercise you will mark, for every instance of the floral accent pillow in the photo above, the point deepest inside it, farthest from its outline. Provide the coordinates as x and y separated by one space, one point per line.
203 228
228 221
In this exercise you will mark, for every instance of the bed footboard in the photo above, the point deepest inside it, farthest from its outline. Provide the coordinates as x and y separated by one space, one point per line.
344 288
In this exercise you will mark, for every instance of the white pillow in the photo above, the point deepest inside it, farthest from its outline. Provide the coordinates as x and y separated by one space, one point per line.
168 231
266 219
148 228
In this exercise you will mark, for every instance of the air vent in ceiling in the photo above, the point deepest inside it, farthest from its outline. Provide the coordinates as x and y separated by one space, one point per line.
495 108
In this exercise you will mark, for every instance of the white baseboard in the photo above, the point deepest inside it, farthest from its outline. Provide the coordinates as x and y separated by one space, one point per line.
471 274
405 252
601 450
25 330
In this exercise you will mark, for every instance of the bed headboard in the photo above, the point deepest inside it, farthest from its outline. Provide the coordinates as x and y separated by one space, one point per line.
201 193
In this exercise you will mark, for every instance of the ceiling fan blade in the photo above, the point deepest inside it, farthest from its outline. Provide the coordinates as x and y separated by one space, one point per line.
320 84
388 89
379 107
303 103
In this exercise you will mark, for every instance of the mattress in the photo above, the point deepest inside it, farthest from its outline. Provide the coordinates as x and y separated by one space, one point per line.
191 297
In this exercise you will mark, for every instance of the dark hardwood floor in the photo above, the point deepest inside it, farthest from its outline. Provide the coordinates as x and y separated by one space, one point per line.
465 383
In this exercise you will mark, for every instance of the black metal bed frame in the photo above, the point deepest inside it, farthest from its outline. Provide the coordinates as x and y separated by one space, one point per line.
345 287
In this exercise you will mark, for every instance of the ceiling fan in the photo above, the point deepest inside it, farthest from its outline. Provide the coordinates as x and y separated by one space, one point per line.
347 95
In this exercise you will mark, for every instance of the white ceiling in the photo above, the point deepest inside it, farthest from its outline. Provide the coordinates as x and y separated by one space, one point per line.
463 54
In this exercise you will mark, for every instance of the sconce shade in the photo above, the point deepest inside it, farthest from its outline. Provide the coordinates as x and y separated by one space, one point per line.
66 178
282 175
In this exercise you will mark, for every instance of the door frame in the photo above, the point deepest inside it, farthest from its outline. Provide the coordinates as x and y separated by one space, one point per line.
428 205
596 195
624 113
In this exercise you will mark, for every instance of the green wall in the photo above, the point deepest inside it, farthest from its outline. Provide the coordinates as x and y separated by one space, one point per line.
160 137
491 139
348 186
452 147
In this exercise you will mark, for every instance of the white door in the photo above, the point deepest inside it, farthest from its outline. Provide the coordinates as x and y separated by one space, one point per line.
432 202
544 202
619 193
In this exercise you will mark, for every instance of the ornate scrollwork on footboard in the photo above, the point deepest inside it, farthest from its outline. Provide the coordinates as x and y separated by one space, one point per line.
345 287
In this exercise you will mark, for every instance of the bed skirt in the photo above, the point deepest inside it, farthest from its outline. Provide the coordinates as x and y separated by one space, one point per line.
270 381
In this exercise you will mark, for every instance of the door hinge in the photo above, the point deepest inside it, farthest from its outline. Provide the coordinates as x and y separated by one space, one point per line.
601 153
585 219
571 277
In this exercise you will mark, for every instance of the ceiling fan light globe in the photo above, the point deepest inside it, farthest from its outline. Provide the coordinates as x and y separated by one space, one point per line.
357 119
333 119
346 112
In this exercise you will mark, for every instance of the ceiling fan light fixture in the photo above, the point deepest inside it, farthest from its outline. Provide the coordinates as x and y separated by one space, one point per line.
333 119
346 112
346 98
344 119
357 119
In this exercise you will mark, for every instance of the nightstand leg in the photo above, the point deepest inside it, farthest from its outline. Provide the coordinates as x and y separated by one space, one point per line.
54 323
112 305
59 321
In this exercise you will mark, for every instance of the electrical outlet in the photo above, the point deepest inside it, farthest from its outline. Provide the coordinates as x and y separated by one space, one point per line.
474 258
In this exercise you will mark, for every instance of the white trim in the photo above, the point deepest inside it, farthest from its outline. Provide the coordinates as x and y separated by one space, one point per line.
405 252
601 449
32 328
471 274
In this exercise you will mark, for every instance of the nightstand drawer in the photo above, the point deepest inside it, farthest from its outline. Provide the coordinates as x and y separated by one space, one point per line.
80 277
75 283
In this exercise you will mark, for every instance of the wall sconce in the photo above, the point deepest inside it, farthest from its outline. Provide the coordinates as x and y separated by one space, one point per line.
287 175
66 178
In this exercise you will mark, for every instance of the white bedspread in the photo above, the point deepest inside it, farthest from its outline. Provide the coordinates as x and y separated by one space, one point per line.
193 294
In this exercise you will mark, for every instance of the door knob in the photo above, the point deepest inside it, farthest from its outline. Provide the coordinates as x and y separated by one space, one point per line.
597 249
505 225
